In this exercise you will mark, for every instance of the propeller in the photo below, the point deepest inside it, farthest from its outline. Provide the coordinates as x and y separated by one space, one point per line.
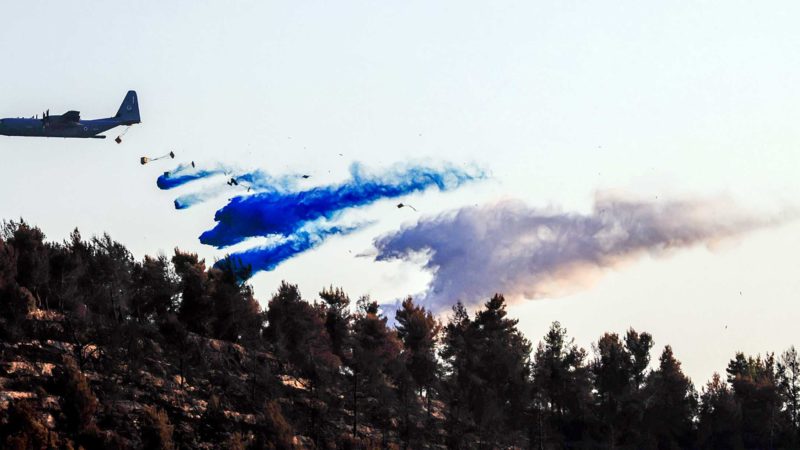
45 118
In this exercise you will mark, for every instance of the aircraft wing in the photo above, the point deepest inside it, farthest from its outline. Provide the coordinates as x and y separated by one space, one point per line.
64 120
71 116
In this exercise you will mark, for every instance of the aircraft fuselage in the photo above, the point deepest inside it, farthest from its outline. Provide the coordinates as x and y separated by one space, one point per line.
70 125
36 127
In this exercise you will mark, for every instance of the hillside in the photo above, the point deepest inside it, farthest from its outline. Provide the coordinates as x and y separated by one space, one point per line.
98 350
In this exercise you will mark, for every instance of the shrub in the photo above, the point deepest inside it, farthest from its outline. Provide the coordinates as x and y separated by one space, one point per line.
78 401
24 430
156 429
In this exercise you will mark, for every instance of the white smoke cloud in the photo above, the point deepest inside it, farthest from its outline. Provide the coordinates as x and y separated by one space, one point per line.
525 252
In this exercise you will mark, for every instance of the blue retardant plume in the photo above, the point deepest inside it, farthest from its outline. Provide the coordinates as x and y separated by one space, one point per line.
285 213
267 258
249 182
183 174
185 201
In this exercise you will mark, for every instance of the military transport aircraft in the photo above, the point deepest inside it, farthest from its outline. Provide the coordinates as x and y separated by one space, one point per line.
70 125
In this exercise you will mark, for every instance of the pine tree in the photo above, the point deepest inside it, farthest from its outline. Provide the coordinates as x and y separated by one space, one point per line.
32 271
670 406
419 332
457 357
619 370
788 375
375 365
15 301
297 331
488 379
155 289
8 266
756 391
719 417
68 269
236 313
195 302
561 392
337 320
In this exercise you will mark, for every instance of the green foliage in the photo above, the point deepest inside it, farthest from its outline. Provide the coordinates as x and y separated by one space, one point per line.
298 333
419 331
788 377
561 391
196 301
374 366
109 278
619 371
671 405
237 314
756 391
155 289
337 320
719 416
488 375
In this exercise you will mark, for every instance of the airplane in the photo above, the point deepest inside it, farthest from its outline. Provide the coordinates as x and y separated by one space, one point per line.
70 125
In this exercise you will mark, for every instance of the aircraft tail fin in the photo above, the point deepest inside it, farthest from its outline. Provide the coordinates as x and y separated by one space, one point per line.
128 113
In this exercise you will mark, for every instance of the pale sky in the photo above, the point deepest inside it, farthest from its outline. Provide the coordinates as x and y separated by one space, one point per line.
558 100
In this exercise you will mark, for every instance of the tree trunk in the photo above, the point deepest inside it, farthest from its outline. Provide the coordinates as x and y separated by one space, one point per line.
255 375
355 404
541 430
407 424
429 401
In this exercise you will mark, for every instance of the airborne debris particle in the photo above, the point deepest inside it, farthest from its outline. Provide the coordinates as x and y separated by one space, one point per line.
144 159
401 205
